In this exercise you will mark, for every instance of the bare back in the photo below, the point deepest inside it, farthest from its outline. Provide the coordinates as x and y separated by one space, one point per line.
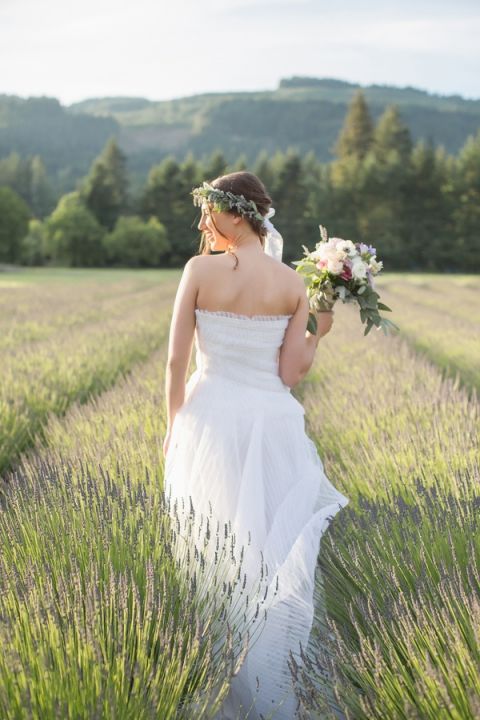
260 285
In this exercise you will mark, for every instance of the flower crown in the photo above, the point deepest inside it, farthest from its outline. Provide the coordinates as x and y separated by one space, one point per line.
224 200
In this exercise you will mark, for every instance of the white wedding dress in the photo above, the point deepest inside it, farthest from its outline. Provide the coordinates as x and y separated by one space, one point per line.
239 449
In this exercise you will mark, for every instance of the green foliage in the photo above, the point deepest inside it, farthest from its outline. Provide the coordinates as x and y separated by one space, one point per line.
135 243
41 198
166 196
33 249
83 536
356 135
41 126
401 566
414 202
28 177
216 165
72 346
105 189
74 237
290 202
14 216
221 201
392 137
466 211
307 113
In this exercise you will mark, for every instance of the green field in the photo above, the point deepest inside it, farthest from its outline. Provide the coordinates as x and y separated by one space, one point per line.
95 619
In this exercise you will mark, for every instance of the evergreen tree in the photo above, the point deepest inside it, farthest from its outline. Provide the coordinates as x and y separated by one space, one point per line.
383 186
428 242
105 190
318 198
15 173
466 215
290 195
262 167
14 217
343 181
33 249
392 136
42 200
28 178
190 171
215 166
165 197
356 136
189 237
241 163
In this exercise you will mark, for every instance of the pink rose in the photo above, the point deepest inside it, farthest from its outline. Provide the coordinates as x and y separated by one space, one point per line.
347 273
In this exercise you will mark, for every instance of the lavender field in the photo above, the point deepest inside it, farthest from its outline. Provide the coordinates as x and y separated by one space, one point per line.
95 619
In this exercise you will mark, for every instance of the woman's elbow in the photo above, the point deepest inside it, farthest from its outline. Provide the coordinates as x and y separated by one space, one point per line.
290 376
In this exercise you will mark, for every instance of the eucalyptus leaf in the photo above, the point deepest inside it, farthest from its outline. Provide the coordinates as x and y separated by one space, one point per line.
312 323
368 328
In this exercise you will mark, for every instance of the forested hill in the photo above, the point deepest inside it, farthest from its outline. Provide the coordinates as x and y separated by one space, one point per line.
66 142
303 113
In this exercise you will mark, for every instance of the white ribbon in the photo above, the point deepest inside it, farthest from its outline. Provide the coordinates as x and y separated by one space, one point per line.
273 242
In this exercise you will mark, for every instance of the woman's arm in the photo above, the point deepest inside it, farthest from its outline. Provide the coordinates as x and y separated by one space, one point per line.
324 325
180 341
298 348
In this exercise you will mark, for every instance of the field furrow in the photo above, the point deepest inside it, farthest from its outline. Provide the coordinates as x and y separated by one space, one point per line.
401 564
77 362
398 578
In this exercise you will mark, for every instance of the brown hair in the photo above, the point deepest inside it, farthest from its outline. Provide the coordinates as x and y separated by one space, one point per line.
251 187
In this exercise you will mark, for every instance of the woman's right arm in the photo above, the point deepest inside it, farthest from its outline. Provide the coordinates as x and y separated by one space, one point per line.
298 349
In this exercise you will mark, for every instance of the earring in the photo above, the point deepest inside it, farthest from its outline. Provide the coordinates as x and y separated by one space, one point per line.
229 250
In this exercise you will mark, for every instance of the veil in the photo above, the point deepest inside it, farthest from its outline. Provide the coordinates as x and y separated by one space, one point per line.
273 242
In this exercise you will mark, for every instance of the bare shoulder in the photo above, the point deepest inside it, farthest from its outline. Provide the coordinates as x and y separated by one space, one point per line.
291 277
197 264
202 265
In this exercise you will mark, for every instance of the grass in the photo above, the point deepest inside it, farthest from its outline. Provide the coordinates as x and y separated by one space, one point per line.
89 593
440 316
401 567
60 346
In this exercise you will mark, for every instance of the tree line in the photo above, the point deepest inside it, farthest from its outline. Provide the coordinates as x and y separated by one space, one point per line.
419 206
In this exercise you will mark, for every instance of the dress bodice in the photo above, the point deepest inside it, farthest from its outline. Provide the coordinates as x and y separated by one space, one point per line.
239 347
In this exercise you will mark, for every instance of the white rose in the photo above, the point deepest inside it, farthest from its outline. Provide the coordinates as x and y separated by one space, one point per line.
324 253
347 247
359 268
335 266
333 254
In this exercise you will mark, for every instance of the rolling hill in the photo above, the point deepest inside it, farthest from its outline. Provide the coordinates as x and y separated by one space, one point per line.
302 113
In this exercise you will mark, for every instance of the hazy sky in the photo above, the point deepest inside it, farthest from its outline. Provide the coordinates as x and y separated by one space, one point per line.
162 50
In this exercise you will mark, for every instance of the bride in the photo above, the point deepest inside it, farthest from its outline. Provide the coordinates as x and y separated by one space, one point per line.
235 439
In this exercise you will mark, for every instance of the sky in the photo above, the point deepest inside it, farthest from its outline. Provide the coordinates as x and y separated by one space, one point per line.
162 50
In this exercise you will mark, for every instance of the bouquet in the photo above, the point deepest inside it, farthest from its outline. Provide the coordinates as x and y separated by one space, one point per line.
342 269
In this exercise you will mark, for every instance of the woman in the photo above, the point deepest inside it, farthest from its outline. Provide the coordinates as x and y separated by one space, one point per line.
235 439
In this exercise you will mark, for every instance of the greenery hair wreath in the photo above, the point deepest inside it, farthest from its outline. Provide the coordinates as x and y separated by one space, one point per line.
225 200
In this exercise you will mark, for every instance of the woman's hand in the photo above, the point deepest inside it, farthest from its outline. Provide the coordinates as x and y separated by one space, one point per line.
324 322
